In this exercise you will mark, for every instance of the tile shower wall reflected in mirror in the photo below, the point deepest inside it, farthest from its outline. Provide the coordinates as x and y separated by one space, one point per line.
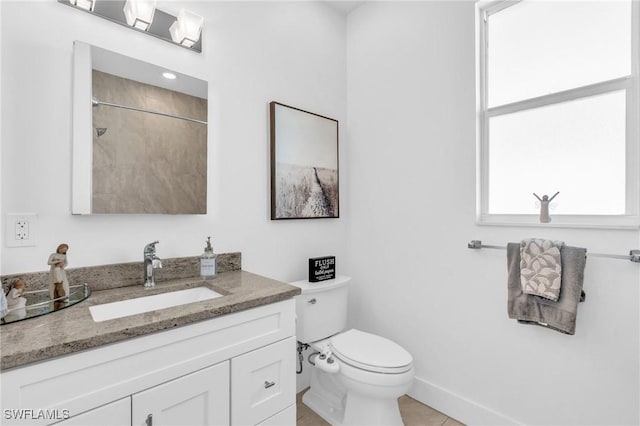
145 162
139 138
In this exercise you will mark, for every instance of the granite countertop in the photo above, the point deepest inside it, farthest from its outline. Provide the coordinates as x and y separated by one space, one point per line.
72 329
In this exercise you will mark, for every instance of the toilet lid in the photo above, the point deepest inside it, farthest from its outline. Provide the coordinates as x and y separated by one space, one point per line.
370 352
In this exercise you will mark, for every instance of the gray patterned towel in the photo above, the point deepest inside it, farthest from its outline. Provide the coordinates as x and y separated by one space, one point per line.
541 267
560 315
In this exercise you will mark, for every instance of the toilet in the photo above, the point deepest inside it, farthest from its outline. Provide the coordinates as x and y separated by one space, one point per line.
357 377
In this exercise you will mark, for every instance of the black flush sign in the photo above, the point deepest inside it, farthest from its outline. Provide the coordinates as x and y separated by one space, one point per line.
322 268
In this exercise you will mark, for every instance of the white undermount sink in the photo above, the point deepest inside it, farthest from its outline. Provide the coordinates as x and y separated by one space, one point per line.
124 308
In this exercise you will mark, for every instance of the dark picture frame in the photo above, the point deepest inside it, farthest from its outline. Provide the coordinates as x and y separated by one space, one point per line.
304 164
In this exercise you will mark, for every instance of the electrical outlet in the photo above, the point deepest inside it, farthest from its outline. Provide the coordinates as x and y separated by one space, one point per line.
20 229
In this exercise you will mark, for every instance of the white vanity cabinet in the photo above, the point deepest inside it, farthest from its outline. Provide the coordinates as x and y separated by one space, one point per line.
236 369
117 413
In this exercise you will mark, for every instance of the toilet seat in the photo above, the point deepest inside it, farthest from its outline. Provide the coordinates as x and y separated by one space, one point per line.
370 352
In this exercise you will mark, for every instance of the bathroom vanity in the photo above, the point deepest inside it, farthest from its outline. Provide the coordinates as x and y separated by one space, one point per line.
228 360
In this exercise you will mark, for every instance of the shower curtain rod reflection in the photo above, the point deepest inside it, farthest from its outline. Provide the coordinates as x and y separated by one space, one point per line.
95 102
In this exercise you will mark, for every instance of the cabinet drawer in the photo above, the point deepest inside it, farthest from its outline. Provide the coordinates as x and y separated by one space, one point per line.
263 382
286 417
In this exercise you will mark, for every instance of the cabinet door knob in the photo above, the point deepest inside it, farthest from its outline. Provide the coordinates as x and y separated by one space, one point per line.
267 385
312 301
149 421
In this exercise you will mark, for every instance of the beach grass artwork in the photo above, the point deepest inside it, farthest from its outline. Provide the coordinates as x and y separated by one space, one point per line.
304 164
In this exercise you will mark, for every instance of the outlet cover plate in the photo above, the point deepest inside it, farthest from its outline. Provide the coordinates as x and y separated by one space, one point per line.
21 229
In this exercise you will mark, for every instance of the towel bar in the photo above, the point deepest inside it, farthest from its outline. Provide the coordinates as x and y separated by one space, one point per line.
634 255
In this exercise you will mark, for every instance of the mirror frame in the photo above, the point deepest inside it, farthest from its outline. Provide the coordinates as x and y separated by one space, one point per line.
82 152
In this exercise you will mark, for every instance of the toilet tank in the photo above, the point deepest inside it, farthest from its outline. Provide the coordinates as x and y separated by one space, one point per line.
321 309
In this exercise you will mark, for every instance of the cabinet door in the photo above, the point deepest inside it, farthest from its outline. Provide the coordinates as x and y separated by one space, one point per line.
263 382
117 413
200 398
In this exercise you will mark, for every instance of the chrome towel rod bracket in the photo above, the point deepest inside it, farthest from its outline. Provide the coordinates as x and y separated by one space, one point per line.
634 255
475 244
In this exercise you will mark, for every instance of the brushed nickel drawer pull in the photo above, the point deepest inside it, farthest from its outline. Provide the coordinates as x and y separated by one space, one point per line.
267 385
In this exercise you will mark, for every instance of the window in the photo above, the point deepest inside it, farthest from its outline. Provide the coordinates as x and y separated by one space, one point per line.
558 111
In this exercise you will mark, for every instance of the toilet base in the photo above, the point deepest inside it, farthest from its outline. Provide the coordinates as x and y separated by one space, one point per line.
325 396
321 407
360 410
329 398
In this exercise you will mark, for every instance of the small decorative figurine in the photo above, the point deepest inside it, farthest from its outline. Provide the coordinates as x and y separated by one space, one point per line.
14 295
4 308
58 285
544 207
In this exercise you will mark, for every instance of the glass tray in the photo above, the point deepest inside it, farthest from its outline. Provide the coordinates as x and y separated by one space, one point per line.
38 303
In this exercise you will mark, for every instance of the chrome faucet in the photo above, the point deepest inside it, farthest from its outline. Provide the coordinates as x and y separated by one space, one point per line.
151 262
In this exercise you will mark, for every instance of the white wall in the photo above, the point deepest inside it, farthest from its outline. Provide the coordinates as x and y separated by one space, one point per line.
253 53
411 100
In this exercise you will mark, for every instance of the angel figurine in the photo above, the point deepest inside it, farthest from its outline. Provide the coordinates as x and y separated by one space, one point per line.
14 295
544 207
58 284
16 303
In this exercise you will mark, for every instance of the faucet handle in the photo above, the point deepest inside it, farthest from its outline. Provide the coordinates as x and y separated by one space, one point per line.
151 247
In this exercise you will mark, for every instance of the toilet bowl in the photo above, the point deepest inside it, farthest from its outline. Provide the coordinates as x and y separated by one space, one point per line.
357 376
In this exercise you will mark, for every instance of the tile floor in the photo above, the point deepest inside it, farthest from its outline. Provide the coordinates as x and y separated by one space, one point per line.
413 413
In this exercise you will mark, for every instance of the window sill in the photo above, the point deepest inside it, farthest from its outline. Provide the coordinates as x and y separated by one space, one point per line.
561 221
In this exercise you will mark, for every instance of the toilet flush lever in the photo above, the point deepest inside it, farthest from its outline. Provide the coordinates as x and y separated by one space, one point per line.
312 301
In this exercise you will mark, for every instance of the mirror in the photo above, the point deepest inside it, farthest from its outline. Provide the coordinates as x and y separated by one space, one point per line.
139 138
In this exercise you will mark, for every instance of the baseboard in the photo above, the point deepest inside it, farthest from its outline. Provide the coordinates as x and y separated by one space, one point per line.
456 406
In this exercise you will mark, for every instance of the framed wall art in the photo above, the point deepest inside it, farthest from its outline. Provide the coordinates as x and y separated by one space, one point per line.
304 164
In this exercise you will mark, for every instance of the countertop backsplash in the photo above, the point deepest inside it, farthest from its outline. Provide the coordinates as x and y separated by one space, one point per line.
104 277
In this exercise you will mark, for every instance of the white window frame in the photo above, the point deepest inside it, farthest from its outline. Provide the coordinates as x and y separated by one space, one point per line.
631 84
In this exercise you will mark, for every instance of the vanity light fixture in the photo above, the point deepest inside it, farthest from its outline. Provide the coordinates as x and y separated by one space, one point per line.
187 28
143 16
169 75
84 4
139 13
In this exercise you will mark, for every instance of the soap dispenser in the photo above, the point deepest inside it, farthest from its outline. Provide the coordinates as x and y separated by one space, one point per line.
208 261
